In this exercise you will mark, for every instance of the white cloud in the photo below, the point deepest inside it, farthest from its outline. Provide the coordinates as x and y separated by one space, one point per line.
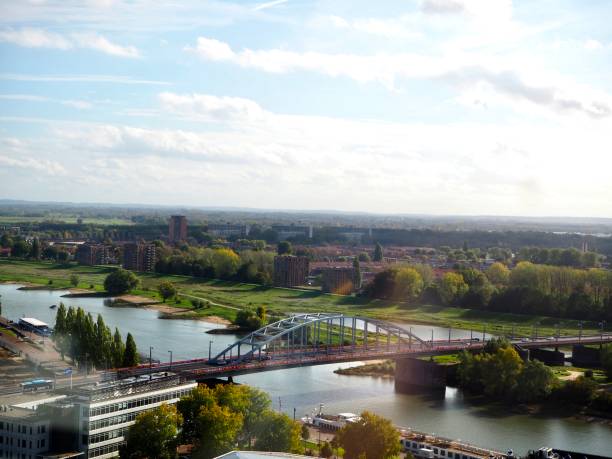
321 162
464 70
267 5
34 38
79 104
120 79
593 45
39 38
102 44
211 107
34 164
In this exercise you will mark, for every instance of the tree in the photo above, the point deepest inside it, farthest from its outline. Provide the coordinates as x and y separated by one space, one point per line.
190 406
305 432
372 437
35 250
120 281
20 248
117 350
279 433
498 274
378 252
261 313
130 356
217 427
408 284
606 359
452 287
326 450
74 280
534 382
357 272
364 257
225 262
248 319
501 371
284 248
252 403
166 290
154 434
6 241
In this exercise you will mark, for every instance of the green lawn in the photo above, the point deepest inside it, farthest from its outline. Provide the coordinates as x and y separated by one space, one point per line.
226 296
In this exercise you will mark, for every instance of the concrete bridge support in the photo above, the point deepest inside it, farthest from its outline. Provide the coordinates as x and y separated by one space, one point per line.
583 356
547 356
415 374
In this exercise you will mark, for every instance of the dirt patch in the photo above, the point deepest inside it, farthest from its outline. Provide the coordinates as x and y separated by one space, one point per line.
135 300
187 314
572 375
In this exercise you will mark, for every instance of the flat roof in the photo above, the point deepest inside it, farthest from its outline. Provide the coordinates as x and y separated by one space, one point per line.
33 321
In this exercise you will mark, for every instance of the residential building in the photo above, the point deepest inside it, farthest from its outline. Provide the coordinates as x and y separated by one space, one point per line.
290 271
94 254
177 229
339 280
226 230
285 232
139 257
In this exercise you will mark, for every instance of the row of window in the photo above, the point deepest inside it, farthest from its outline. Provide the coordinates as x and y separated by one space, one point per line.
101 450
105 436
20 443
436 451
23 429
112 421
111 408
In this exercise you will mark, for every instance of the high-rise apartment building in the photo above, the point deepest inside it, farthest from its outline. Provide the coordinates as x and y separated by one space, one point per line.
93 254
139 257
177 228
339 280
290 271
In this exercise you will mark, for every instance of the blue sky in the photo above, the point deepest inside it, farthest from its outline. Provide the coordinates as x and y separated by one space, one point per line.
423 106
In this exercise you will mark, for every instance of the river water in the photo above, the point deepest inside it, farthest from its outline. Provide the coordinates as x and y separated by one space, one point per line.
305 388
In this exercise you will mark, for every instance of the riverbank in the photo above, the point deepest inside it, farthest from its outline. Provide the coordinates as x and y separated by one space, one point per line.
376 369
226 298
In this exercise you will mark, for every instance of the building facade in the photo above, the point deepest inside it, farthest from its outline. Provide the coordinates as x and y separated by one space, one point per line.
341 281
93 254
290 271
139 257
24 433
107 410
227 230
177 229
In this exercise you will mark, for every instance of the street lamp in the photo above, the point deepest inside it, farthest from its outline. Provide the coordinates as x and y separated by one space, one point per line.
150 362
170 360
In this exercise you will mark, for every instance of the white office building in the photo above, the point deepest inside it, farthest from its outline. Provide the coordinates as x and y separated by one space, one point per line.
107 410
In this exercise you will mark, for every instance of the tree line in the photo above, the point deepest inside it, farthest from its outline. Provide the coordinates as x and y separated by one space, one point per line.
528 288
92 344
215 421
253 266
499 373
232 417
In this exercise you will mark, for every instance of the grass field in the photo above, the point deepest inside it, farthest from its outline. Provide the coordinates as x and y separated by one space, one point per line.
226 297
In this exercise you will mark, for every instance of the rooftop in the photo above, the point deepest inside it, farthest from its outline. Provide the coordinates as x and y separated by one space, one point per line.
33 321
257 455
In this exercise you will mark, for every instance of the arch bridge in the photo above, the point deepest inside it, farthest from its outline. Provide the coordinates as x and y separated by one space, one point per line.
315 333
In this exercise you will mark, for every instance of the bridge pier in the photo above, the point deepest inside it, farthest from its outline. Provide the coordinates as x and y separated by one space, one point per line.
414 374
547 356
583 356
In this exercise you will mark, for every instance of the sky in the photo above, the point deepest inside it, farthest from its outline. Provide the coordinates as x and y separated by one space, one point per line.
475 107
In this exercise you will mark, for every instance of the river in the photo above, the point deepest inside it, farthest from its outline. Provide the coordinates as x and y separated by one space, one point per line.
304 388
